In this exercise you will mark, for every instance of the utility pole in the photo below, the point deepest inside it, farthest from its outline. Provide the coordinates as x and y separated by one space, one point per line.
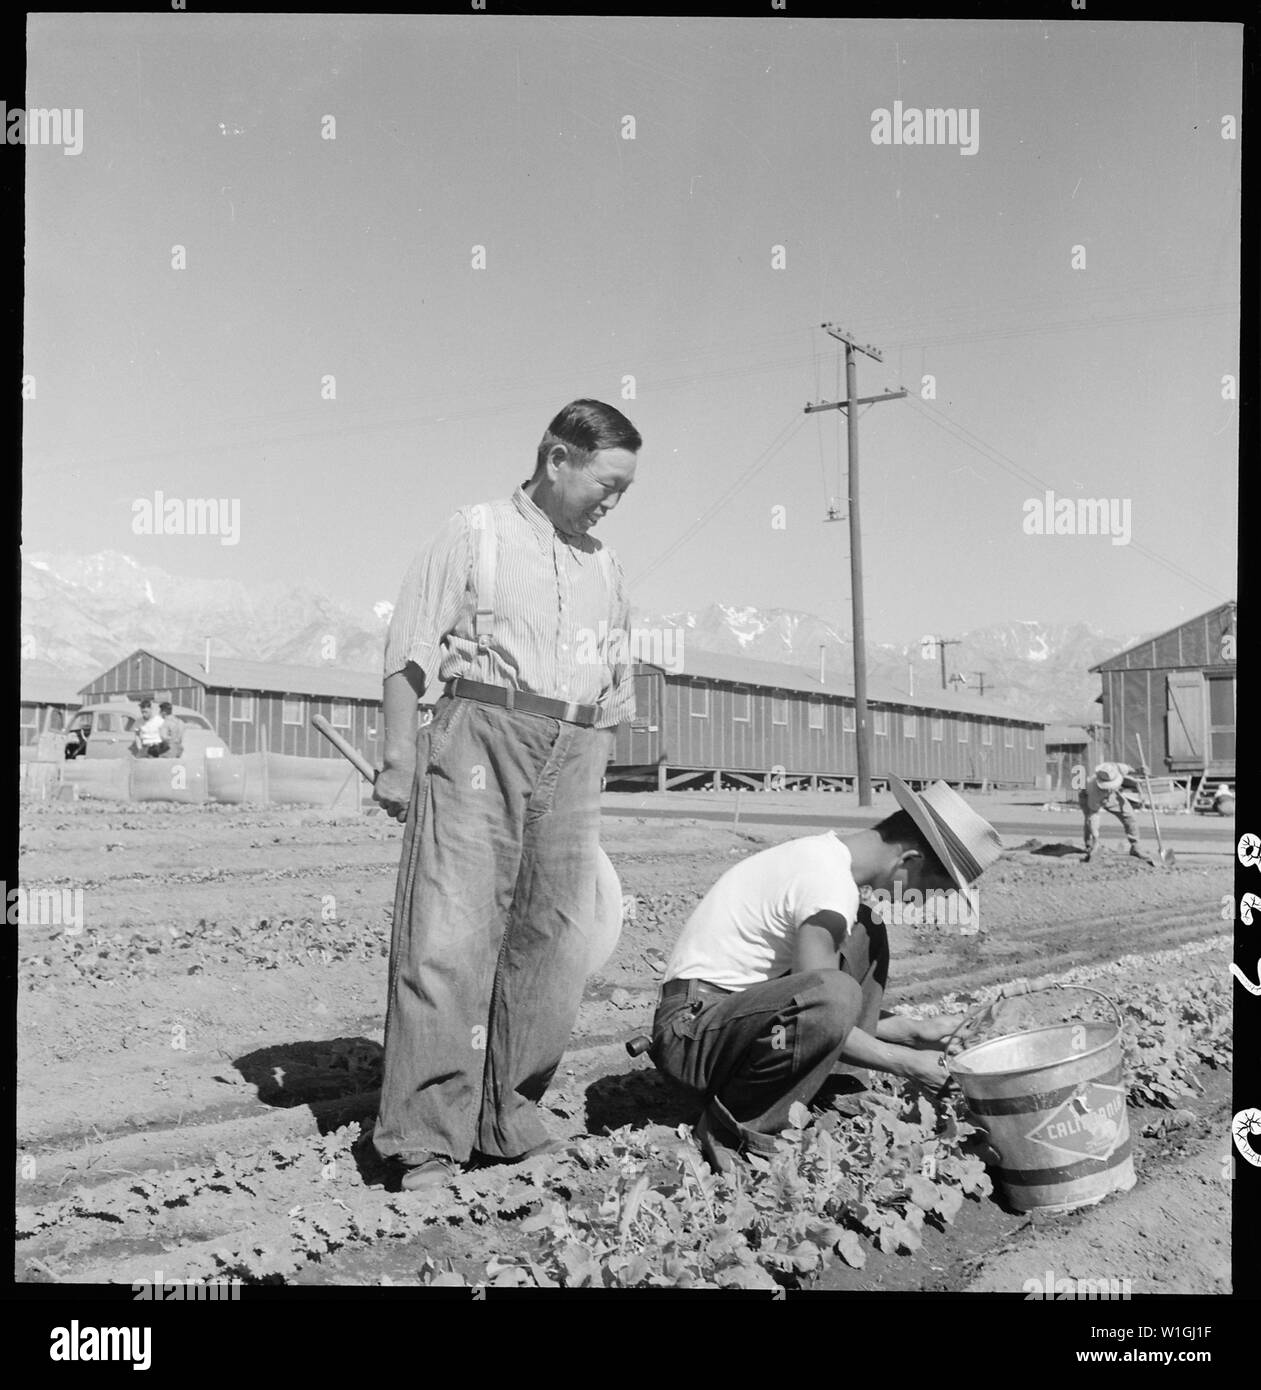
850 405
962 681
942 644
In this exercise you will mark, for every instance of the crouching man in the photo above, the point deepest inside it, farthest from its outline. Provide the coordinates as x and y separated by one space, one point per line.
779 973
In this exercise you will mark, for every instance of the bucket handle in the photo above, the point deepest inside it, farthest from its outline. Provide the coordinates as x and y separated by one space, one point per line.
1010 992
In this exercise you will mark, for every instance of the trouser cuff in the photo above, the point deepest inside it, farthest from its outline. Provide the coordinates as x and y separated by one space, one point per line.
726 1128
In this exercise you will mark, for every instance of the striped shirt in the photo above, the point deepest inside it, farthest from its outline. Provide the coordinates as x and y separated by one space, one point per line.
555 613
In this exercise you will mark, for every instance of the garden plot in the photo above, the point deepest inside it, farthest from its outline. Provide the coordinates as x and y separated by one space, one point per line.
197 1074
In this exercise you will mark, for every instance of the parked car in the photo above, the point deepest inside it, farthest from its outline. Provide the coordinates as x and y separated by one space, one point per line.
108 730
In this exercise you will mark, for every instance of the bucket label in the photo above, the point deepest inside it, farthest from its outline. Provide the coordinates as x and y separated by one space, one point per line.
1087 1125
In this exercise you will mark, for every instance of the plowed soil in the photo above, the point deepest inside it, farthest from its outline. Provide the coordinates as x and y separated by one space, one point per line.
226 993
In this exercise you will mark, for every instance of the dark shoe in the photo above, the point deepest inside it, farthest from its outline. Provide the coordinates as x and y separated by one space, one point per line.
1136 853
431 1172
720 1156
1086 856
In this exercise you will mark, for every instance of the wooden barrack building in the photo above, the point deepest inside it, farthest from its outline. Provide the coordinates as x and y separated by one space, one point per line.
1176 692
733 720
256 706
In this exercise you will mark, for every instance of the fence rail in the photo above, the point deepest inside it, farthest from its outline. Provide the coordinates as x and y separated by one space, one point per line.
272 778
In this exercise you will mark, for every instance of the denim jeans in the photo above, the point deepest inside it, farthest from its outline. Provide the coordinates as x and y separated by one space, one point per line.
753 1053
493 909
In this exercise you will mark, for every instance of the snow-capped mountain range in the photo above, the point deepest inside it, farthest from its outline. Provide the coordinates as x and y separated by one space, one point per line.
83 613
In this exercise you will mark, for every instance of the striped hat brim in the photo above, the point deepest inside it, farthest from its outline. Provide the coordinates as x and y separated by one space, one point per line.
964 842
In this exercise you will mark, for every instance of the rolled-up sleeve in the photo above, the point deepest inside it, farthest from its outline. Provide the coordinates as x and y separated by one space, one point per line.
621 704
429 601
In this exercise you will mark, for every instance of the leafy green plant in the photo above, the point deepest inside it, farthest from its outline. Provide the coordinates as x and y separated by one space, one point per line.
1169 1033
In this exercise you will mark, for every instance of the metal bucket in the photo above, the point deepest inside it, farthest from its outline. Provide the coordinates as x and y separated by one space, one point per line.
1052 1102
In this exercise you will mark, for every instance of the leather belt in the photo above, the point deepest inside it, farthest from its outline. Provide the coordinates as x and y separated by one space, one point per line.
569 713
692 988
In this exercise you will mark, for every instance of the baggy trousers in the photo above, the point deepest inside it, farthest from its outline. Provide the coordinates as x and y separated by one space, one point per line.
753 1053
1118 806
492 914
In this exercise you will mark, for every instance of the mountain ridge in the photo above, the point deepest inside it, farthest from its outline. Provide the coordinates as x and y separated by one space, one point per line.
82 613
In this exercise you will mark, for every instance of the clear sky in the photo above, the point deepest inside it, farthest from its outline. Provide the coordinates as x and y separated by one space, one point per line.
609 257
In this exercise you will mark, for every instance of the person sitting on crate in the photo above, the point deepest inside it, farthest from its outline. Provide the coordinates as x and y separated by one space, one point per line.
172 731
779 973
149 742
1114 787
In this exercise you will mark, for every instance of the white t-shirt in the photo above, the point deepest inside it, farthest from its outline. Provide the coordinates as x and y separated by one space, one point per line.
744 929
151 730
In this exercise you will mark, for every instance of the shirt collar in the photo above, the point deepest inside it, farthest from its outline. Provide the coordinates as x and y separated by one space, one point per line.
542 524
538 519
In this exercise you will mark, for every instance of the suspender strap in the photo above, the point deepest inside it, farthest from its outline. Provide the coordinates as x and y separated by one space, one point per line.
610 580
482 522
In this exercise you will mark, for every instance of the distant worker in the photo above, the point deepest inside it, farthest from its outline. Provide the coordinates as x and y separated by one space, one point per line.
149 742
1114 787
172 731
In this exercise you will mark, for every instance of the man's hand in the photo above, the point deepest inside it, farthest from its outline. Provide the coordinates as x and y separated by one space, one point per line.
926 1069
393 787
393 790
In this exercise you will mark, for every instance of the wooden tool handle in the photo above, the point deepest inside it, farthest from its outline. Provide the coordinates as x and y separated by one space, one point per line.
352 755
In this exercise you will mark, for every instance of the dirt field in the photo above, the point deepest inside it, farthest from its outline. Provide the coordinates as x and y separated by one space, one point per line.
197 1065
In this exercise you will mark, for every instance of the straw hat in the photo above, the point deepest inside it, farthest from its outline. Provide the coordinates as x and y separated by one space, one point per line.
1108 776
608 914
966 843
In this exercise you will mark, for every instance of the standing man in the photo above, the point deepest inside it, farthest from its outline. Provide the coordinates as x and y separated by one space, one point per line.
1113 788
780 971
500 793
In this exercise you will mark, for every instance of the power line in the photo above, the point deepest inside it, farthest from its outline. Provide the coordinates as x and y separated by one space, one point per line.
993 455
274 424
745 478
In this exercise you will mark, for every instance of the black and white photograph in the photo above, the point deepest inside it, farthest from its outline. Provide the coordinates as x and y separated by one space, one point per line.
628 674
